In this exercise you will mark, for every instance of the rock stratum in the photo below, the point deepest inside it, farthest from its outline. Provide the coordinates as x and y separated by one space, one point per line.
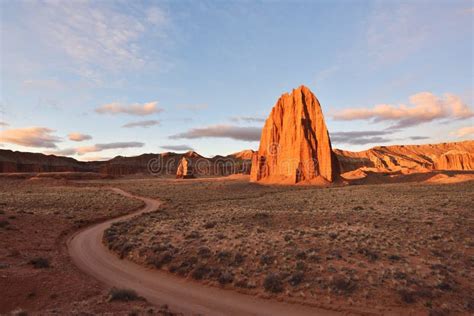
295 146
410 158
147 164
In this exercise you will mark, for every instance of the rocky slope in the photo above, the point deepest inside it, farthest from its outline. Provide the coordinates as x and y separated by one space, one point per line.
164 164
295 145
410 158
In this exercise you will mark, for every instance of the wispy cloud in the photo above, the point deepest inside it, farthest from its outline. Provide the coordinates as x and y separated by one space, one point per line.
4 124
96 148
360 137
464 131
132 109
394 32
419 137
247 119
144 124
177 147
78 137
30 137
426 107
222 131
90 38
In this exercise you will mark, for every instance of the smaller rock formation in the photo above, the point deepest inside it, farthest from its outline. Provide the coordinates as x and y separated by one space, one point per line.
185 170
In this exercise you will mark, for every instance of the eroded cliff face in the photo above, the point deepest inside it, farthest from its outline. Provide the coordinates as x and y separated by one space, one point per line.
295 145
410 158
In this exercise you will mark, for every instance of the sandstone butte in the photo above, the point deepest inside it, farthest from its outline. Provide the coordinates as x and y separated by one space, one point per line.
184 169
295 145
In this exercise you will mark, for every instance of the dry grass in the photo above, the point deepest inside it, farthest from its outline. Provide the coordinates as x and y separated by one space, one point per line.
407 245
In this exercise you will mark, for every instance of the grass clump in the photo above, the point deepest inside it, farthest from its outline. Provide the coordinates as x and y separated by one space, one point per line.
273 283
122 295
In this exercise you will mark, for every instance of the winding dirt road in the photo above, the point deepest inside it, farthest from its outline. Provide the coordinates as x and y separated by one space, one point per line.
90 255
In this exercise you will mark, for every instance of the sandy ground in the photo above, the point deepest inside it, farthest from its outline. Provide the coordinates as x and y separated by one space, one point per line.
402 247
189 298
36 217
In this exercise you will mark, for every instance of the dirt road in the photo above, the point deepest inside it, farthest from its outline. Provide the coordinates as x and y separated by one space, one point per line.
90 255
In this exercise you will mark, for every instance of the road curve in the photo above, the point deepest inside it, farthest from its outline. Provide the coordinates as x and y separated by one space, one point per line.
158 287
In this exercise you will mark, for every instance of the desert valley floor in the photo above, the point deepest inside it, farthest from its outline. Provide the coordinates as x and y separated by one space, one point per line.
357 249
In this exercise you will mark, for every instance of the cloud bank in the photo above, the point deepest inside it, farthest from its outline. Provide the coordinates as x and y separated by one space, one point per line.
30 137
96 148
222 131
426 107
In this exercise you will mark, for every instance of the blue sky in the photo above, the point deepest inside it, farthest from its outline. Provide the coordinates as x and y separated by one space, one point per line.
95 79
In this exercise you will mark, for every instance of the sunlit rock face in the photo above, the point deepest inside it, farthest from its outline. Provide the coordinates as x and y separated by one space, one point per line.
295 145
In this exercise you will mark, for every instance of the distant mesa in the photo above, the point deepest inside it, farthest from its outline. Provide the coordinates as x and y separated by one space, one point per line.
185 169
295 146
410 158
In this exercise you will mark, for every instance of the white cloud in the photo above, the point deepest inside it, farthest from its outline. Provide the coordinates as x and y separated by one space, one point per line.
464 131
426 107
96 148
132 109
78 137
30 137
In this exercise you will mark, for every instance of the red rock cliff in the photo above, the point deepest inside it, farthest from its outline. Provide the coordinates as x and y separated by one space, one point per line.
295 145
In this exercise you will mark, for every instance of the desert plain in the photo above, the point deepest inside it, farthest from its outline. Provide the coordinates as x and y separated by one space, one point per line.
396 248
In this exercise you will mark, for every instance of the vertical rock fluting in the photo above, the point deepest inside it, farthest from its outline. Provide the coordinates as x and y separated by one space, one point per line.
295 145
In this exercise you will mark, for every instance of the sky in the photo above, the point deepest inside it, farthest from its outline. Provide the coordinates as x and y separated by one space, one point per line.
96 79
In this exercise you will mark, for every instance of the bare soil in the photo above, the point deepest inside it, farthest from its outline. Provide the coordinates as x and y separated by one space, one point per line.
403 247
36 273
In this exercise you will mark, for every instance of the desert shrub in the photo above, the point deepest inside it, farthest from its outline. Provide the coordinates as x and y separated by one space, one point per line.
204 252
266 259
300 265
2 212
224 255
210 225
4 223
369 254
238 259
225 277
357 208
261 216
343 285
394 257
123 295
296 278
301 255
159 260
273 283
200 272
407 296
39 263
192 235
